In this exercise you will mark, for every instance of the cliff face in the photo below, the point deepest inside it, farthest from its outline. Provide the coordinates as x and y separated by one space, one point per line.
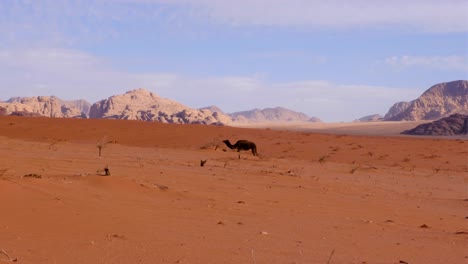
82 105
396 109
48 106
439 101
144 105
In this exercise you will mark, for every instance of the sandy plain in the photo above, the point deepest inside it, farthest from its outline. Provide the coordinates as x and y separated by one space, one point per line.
309 197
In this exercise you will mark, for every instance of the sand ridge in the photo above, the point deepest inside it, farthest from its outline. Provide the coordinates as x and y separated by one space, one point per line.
307 198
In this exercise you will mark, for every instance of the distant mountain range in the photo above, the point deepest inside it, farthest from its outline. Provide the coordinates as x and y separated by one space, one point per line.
272 114
370 118
439 101
141 104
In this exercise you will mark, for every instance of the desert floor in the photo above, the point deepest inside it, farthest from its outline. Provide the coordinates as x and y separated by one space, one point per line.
308 197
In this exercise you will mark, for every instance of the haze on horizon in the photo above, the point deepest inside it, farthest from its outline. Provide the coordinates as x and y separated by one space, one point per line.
336 60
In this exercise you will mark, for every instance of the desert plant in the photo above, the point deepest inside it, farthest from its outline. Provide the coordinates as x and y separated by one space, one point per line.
322 159
33 175
101 144
107 171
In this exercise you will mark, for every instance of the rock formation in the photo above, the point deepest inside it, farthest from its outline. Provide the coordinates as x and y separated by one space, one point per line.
370 118
25 113
3 111
271 114
439 101
141 104
48 106
456 124
213 109
82 105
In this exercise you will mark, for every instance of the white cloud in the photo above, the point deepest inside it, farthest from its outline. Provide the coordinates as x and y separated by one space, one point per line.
452 63
65 22
425 15
72 74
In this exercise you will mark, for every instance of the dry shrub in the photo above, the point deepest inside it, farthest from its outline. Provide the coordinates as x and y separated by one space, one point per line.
322 159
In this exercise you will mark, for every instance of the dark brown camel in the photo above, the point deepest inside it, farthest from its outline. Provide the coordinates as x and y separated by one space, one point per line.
242 145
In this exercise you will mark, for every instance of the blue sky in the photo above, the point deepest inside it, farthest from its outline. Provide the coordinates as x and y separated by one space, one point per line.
336 60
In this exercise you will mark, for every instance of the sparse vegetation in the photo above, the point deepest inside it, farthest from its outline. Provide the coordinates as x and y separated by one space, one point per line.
101 144
161 187
381 157
323 158
107 171
202 162
334 149
104 172
33 175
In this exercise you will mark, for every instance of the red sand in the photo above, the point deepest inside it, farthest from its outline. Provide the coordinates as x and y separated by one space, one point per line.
308 198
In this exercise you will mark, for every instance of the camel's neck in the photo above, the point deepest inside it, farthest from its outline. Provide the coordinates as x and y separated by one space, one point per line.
229 144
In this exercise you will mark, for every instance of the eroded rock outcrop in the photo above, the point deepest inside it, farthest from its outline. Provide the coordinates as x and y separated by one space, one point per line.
456 124
48 106
141 104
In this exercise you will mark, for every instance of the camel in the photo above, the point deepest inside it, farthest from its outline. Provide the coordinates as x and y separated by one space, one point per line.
242 145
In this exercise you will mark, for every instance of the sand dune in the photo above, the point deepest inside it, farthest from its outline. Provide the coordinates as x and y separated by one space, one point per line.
308 197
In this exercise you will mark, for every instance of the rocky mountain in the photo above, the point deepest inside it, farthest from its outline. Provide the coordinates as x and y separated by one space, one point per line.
271 114
48 106
82 105
370 118
213 109
141 104
396 109
441 100
456 124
